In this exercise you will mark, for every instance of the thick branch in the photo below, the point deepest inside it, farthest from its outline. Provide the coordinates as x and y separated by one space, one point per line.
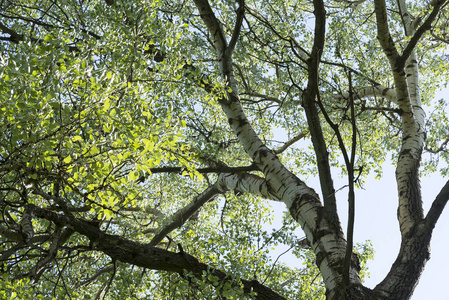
237 27
401 280
383 34
437 207
291 142
322 230
410 210
370 91
26 225
207 15
427 25
309 103
239 183
11 234
149 257
14 36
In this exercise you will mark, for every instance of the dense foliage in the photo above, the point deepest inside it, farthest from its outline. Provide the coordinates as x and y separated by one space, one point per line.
113 124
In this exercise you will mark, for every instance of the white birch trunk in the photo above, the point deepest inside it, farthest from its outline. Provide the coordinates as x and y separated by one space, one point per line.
325 238
413 139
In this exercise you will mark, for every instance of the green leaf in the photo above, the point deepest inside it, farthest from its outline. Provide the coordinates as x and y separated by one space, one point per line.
133 175
48 37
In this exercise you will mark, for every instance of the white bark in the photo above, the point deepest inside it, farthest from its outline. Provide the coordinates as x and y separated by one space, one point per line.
413 138
26 225
371 91
239 183
303 202
413 135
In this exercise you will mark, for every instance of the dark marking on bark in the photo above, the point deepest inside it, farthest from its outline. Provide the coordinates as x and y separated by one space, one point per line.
283 193
400 71
405 151
280 188
242 122
318 234
355 262
407 268
265 168
263 153
294 208
319 258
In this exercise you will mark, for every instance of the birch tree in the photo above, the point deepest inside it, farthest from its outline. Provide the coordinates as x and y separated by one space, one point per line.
140 146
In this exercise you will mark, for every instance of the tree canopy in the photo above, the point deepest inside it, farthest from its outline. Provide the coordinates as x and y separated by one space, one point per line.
142 143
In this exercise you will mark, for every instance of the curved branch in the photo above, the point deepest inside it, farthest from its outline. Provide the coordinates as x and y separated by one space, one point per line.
370 91
437 207
426 26
383 34
237 27
309 103
95 276
291 142
442 147
149 257
41 265
240 183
